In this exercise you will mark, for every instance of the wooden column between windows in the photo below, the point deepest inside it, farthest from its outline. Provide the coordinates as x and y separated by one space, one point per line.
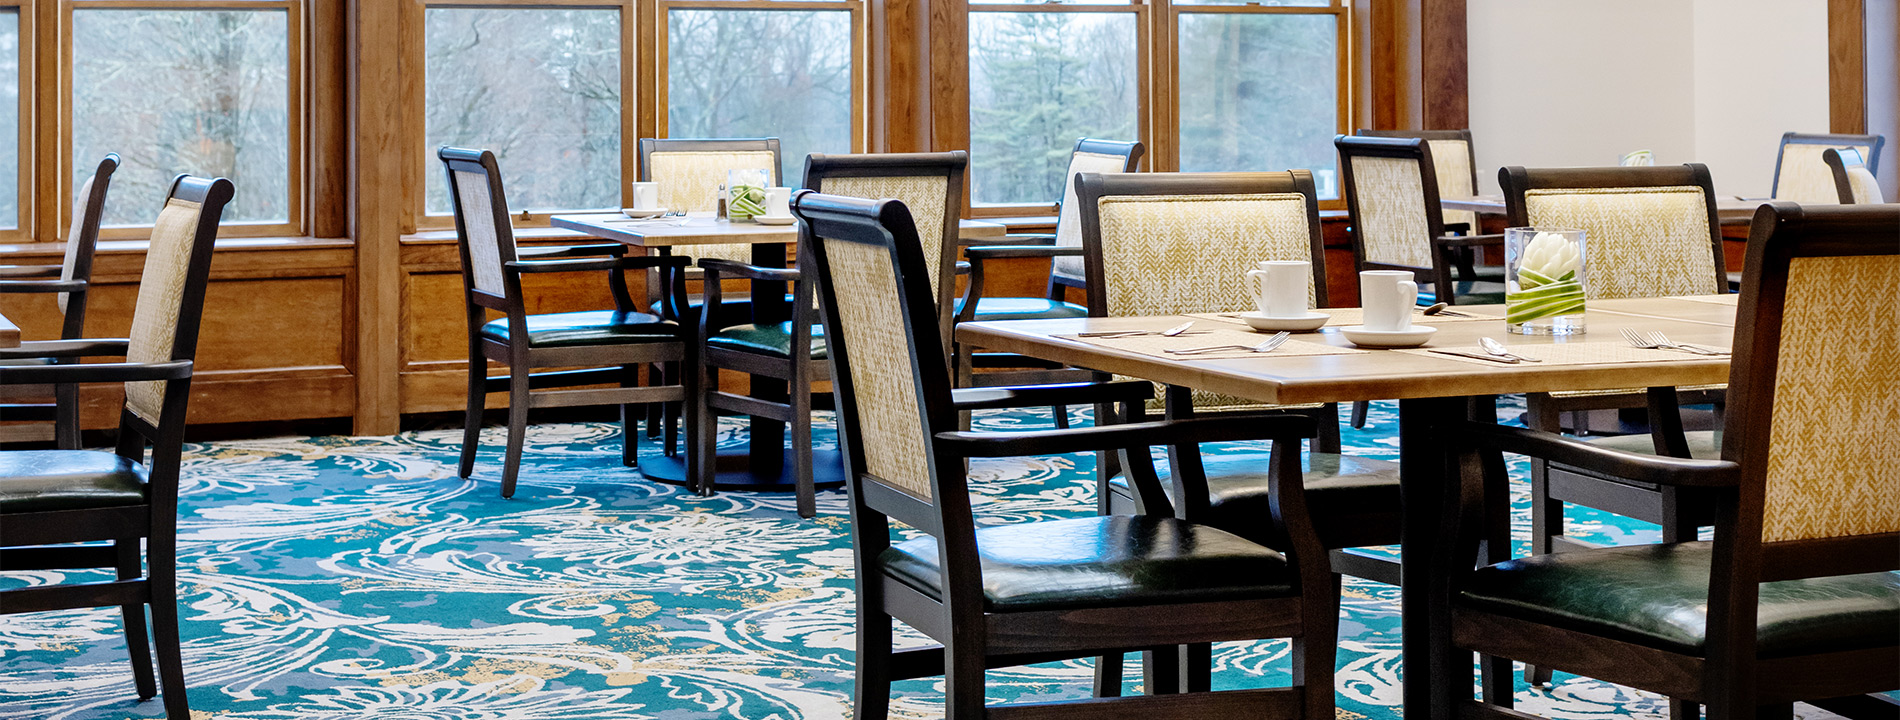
375 209
1847 66
948 79
1418 60
899 104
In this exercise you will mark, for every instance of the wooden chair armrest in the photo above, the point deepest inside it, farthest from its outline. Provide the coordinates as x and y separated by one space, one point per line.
715 267
42 286
1451 241
554 251
25 272
997 252
1677 472
1015 239
83 347
986 398
94 373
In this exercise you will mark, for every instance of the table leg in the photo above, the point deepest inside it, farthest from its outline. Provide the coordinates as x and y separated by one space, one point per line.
766 446
1426 471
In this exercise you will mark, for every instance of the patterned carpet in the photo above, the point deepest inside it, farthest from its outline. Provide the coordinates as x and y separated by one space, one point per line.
358 577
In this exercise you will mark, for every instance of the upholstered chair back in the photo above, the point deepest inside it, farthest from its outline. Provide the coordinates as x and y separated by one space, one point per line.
1648 231
930 185
1802 175
1090 156
690 171
172 288
1453 165
1813 401
481 217
1853 182
888 370
1391 202
82 238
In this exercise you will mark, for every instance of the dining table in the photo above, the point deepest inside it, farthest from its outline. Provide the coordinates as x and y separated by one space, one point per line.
1434 393
764 465
1728 210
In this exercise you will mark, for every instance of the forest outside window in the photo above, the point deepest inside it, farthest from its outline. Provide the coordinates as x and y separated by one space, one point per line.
12 139
209 90
1260 90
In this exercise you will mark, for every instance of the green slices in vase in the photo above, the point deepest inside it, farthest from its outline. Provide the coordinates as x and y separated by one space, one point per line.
1549 280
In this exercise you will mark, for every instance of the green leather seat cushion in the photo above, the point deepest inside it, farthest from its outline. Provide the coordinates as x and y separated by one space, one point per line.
774 340
47 480
1354 501
596 327
1024 308
1114 560
1657 596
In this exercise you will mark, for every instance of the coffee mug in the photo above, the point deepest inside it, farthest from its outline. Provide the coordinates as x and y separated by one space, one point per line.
646 195
778 201
1386 297
1279 287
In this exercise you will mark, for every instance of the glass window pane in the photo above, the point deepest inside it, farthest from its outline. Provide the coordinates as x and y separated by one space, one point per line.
1280 3
9 118
756 73
1038 81
539 88
205 92
1260 92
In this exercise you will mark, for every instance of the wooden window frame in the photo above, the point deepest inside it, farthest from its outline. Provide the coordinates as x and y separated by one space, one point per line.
54 196
22 231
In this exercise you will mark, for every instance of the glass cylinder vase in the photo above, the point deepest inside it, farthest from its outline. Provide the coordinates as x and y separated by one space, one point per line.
1544 276
745 194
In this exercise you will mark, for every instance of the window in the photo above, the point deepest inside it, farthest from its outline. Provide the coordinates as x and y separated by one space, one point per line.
542 88
205 91
1039 80
763 73
1259 91
11 140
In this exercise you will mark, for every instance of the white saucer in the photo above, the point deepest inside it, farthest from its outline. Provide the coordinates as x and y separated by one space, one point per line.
774 219
1298 323
639 213
1414 337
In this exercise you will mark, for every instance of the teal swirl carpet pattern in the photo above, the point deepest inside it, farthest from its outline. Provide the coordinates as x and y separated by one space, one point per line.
341 578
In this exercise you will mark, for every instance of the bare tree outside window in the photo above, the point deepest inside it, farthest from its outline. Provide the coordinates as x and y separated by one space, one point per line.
762 73
1038 81
1260 92
539 87
10 119
205 92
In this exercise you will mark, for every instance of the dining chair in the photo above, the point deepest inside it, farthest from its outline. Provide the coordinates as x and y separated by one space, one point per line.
595 347
1063 248
85 509
1801 175
71 279
1006 595
1179 243
1454 165
1855 183
1796 597
1392 194
931 184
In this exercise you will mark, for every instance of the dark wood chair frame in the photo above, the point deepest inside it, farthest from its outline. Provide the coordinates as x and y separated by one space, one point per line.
1838 161
1471 160
615 364
973 639
1729 677
791 402
1873 143
110 537
74 282
1448 252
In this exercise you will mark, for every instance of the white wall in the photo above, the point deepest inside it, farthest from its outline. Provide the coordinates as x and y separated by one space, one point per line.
1566 83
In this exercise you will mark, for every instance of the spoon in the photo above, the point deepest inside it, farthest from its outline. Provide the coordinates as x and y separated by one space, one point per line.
1439 309
1497 348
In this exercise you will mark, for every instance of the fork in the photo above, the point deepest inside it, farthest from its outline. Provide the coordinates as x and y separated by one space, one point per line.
1170 332
1267 345
1658 341
1662 340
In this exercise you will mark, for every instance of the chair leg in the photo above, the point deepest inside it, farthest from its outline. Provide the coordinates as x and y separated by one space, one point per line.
517 431
1197 667
171 660
1685 710
1547 515
1108 676
1497 681
1328 440
655 410
670 416
1161 670
66 416
963 682
1061 413
138 643
629 420
1360 408
872 691
1315 654
472 415
705 448
801 448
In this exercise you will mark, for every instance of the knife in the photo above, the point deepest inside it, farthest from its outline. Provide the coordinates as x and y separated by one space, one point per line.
1493 358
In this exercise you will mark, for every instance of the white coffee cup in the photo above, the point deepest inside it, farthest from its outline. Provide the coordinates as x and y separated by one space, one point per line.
1386 297
778 201
646 195
1279 287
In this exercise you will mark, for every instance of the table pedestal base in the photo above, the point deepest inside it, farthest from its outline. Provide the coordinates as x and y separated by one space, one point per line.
735 471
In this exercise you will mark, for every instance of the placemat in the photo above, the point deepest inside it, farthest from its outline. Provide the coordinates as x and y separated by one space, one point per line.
1728 299
1589 353
1158 346
1346 317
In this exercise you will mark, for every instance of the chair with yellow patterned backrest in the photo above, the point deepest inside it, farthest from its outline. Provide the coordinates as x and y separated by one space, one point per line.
1852 180
1179 243
1391 190
1796 598
108 502
931 184
1454 164
1046 590
1801 175
71 281
1648 232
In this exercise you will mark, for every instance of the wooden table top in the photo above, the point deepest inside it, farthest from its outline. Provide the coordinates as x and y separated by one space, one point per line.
9 333
1727 209
1386 374
702 229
